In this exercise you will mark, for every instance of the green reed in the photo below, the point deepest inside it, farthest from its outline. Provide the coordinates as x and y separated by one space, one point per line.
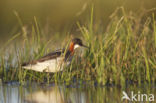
120 55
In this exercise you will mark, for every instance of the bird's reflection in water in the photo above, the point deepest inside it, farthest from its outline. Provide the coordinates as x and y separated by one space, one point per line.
56 94
36 93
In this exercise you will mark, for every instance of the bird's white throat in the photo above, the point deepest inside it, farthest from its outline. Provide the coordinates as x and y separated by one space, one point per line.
76 46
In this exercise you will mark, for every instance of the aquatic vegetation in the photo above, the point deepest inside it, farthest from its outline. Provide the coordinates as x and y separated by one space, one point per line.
124 53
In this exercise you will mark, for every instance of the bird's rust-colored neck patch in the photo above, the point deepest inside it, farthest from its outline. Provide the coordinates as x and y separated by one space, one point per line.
71 47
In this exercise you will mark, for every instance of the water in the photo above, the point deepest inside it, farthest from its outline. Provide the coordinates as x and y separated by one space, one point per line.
37 93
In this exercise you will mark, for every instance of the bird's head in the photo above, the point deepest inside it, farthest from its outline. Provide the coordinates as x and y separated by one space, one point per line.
76 43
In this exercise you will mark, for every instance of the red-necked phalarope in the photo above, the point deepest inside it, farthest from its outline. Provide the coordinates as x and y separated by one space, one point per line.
54 61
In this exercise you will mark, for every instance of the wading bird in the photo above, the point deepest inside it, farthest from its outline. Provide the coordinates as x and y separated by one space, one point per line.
55 61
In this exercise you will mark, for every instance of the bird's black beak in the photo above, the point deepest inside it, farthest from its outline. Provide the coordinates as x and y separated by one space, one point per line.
85 46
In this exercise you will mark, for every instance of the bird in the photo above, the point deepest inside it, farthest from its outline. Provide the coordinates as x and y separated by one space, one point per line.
55 61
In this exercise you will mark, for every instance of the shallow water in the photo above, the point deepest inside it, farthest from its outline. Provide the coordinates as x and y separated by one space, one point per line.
36 93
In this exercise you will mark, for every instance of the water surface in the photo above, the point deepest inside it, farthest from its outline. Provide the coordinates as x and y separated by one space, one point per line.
37 93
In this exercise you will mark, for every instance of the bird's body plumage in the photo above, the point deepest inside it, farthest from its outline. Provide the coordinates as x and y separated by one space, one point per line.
52 62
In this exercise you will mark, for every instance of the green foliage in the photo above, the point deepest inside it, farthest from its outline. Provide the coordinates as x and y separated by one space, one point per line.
118 56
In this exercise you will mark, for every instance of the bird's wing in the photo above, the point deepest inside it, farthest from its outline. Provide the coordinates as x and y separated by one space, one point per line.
51 55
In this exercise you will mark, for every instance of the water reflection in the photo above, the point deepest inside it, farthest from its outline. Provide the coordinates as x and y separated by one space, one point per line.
56 94
53 94
13 93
